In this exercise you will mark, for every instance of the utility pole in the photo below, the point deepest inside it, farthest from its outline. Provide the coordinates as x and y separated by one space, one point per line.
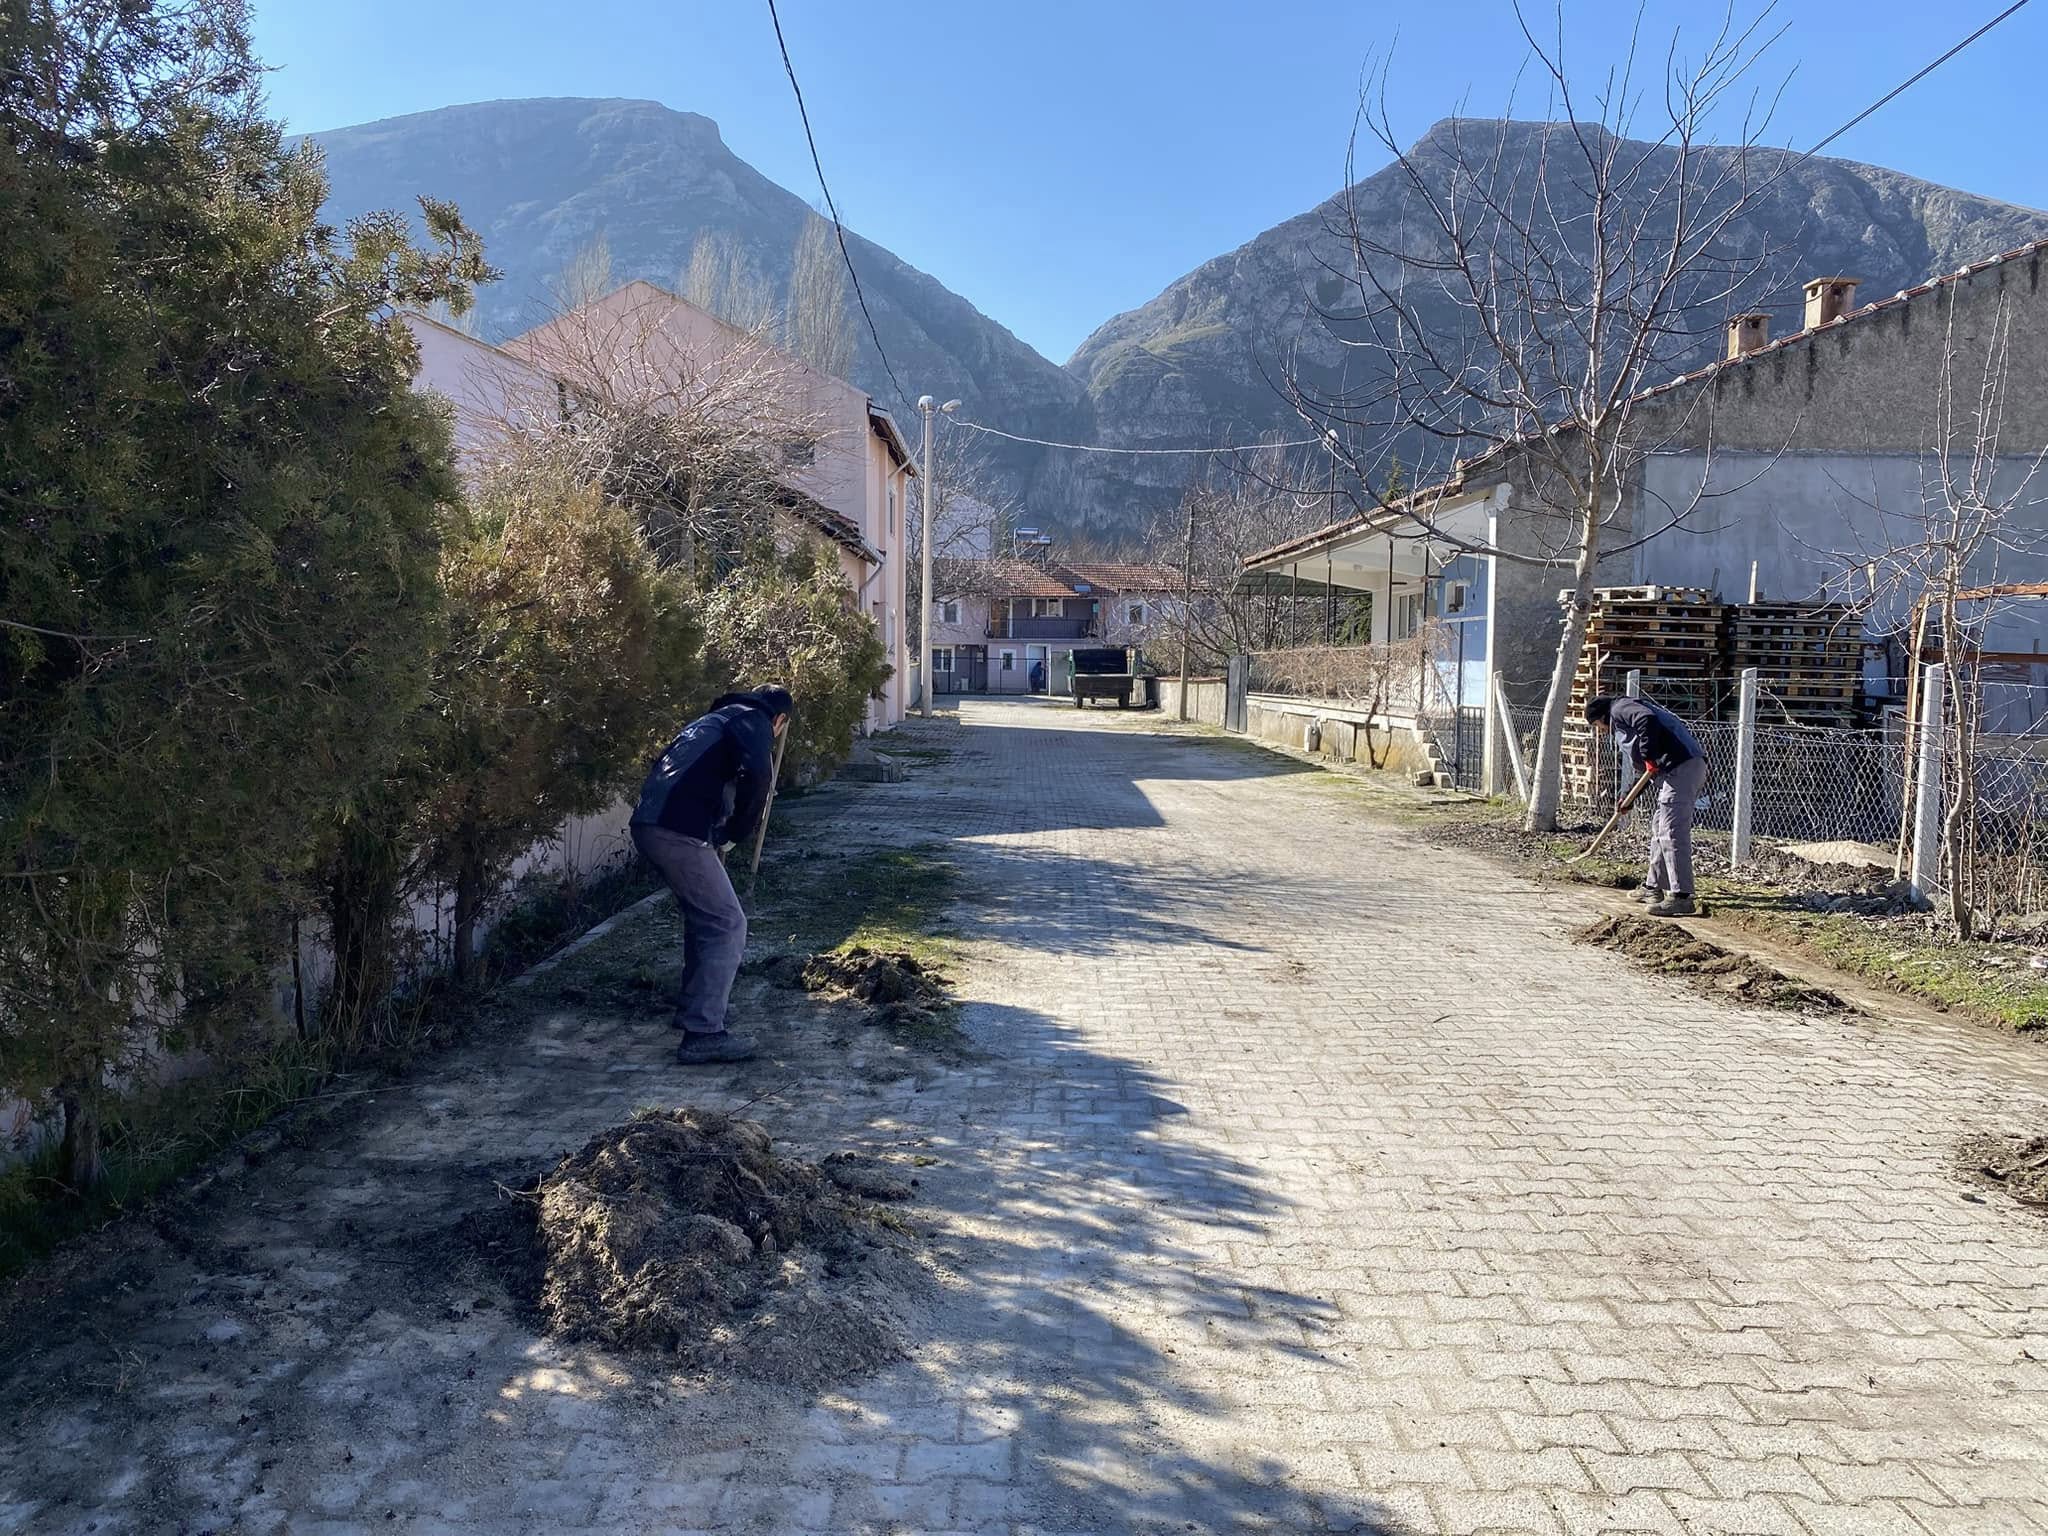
1187 605
928 408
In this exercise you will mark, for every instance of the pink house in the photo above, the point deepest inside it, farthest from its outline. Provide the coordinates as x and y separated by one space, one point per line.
848 477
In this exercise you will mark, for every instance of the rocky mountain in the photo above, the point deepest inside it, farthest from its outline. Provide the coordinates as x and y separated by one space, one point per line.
1197 364
540 179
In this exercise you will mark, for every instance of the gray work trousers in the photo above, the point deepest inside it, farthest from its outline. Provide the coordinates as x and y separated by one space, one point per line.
714 924
1677 790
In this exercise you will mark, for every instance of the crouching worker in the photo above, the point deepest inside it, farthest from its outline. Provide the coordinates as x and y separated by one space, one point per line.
703 795
1659 744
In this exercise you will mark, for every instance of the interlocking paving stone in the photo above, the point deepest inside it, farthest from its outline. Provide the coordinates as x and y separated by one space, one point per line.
1308 1178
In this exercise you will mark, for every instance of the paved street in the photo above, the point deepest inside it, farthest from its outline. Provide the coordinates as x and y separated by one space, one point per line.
1306 1177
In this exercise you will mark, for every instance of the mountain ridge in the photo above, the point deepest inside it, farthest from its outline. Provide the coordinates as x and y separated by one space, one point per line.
538 177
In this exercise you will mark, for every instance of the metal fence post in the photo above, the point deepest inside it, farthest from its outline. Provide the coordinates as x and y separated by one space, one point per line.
1490 776
1926 870
1508 738
1745 768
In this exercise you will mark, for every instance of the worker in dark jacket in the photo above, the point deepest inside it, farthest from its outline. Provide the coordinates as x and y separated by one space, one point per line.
1659 744
704 794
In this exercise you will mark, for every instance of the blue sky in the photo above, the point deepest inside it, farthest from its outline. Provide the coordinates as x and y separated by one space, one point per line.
1059 161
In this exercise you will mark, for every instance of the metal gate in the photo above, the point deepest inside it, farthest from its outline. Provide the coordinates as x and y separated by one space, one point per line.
1468 761
1237 684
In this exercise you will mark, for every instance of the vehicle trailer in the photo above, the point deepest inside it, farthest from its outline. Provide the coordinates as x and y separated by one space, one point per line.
1103 672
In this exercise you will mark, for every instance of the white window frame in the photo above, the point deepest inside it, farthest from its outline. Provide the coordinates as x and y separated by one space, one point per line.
1134 613
1048 608
949 610
942 660
1407 616
1456 595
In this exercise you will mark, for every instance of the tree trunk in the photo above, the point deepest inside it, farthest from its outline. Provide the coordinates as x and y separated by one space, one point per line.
469 899
80 1150
1546 784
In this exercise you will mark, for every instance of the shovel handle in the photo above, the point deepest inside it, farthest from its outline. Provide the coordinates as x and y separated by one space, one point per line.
761 832
1627 804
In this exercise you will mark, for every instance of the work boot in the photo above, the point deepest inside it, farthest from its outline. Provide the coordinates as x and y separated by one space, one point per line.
1677 904
700 1050
1647 894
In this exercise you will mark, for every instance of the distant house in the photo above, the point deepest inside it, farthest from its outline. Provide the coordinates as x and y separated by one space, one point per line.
1011 625
852 487
1818 453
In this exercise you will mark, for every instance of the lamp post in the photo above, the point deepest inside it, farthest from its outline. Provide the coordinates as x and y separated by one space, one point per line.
929 409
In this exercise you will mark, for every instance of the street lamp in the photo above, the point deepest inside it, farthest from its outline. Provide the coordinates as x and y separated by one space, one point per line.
929 409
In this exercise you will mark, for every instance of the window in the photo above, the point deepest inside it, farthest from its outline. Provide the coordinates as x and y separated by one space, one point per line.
892 509
1407 616
798 452
1136 614
1048 608
1009 661
1456 595
949 611
942 659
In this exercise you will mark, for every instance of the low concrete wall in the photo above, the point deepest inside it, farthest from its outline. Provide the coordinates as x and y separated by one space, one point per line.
1344 732
1205 699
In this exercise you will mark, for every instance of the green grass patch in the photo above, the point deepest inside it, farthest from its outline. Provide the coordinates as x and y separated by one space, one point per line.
886 898
1896 956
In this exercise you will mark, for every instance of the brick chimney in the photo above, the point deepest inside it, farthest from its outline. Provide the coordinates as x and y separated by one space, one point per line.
1829 298
1746 333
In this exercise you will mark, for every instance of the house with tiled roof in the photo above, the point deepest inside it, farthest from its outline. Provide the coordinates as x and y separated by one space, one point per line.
1789 467
1011 624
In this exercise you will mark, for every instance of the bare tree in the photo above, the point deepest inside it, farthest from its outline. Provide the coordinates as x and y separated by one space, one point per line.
1550 275
701 430
1240 509
817 325
723 281
586 276
972 514
1977 512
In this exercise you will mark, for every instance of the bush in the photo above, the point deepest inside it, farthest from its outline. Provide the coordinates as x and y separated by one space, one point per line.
792 619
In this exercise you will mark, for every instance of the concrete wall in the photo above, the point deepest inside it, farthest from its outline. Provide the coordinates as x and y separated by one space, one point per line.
1205 699
1820 450
1344 732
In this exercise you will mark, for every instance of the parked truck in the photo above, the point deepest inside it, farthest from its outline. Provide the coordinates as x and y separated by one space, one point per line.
1103 672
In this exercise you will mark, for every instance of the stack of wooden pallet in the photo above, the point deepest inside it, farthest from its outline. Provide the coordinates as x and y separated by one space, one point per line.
1672 636
1808 656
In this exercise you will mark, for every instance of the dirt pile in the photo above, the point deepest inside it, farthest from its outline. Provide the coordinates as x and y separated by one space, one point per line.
683 1232
2018 1165
1816 886
1673 950
892 984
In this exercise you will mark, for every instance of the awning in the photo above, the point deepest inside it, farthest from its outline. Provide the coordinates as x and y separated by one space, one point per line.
1391 552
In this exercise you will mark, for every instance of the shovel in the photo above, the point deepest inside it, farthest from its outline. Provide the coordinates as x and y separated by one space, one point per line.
1627 803
761 832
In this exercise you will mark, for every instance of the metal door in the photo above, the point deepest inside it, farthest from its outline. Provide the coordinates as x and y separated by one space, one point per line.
1236 686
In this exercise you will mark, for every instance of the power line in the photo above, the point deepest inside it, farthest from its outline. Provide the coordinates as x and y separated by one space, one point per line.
1899 91
1041 442
838 228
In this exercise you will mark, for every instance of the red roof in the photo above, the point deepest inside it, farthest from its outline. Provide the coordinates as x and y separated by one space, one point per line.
1000 577
1116 576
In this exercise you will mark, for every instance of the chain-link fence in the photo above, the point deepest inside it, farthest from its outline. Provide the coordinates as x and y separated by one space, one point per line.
1850 795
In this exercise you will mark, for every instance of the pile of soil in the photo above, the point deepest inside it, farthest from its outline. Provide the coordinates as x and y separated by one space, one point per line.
683 1232
1820 887
1673 950
893 985
2018 1165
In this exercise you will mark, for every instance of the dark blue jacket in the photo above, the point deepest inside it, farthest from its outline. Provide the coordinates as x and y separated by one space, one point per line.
713 780
1657 740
